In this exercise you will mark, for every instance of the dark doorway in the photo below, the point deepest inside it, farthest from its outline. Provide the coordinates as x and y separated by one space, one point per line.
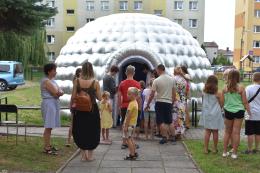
140 73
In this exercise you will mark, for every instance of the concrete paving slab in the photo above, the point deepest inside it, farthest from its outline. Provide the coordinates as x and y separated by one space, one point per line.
148 170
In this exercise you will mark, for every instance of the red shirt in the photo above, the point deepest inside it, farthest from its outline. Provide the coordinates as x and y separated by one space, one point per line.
123 88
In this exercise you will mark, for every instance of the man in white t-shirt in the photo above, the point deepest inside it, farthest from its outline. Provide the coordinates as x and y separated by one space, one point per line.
252 125
164 86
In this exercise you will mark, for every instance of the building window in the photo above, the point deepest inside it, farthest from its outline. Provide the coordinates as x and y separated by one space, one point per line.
257 59
50 22
179 21
193 23
70 28
123 5
70 11
138 5
104 5
90 5
51 3
158 12
257 28
257 13
178 5
50 39
51 56
89 20
256 44
193 5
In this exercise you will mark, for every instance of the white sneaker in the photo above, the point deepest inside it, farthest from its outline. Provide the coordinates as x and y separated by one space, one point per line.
232 150
234 156
225 154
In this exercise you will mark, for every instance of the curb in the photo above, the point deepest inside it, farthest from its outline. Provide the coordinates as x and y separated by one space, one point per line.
68 161
190 156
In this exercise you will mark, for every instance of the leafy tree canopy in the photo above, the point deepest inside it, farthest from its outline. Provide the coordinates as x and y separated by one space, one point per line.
24 16
221 60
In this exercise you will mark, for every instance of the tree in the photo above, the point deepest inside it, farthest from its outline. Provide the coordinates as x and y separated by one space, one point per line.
24 16
221 60
22 32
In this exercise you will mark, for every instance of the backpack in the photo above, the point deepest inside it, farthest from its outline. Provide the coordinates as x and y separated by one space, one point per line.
83 101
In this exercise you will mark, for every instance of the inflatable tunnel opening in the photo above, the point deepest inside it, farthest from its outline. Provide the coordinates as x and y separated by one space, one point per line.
142 67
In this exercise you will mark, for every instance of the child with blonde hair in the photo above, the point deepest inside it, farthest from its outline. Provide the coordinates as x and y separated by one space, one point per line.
130 122
106 116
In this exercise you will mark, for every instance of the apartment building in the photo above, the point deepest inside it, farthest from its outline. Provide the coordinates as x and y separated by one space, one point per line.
247 34
74 14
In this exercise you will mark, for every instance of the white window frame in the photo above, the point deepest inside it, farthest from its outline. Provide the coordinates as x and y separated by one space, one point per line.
257 13
89 20
104 5
51 56
90 5
256 28
178 5
52 38
191 23
123 5
255 43
138 5
51 3
50 22
191 5
179 21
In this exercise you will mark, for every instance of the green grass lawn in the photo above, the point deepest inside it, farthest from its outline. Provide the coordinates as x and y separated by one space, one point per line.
214 163
29 95
28 156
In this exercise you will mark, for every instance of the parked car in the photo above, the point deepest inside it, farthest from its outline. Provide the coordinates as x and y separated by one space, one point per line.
11 75
256 69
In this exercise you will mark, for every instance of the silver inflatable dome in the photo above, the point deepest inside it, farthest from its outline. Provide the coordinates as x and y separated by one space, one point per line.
121 39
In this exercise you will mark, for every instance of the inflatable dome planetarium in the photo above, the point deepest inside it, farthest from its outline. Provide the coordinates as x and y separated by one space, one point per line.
129 38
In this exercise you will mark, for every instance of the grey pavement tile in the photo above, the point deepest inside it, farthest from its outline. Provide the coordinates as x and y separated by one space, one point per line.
79 170
176 158
147 164
149 157
148 170
79 163
115 164
178 164
114 156
114 170
181 170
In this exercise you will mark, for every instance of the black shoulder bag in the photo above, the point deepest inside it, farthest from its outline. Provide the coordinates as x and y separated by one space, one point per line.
257 92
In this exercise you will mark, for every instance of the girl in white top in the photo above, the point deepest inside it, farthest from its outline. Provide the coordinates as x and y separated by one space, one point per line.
150 114
252 125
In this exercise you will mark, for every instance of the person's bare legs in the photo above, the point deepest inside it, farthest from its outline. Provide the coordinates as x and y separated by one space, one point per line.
146 121
236 134
257 140
90 155
206 140
107 135
131 146
187 116
69 135
172 130
152 125
163 130
84 155
250 140
215 140
47 138
103 131
227 134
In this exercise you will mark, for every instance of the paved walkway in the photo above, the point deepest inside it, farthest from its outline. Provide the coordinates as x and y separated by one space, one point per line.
154 158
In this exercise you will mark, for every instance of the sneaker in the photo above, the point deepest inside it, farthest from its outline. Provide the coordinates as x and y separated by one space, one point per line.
137 146
163 141
234 156
124 146
248 152
225 154
129 157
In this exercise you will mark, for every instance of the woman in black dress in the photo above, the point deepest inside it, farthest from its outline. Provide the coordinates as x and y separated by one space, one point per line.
86 125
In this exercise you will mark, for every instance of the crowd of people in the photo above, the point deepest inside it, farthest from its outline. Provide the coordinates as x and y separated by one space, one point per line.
157 106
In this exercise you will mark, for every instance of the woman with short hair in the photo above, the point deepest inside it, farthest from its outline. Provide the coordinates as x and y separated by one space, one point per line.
50 106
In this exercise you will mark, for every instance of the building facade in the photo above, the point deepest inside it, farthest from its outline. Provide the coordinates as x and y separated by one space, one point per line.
73 15
247 34
211 50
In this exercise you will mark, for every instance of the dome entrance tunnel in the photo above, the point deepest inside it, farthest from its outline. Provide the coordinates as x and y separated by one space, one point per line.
131 38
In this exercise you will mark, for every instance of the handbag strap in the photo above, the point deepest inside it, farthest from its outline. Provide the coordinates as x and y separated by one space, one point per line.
252 98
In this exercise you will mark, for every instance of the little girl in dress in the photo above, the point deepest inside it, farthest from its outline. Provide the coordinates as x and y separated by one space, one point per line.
106 117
